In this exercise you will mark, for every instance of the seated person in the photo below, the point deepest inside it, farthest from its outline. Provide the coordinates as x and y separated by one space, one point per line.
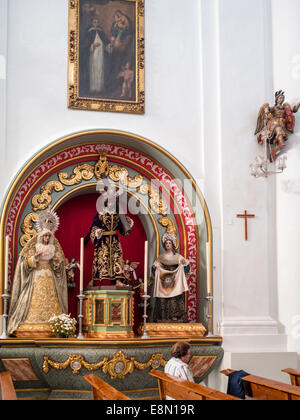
177 365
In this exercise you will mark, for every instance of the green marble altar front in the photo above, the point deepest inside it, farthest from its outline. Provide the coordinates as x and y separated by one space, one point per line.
55 368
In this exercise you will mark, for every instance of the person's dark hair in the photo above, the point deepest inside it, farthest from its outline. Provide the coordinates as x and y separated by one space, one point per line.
180 349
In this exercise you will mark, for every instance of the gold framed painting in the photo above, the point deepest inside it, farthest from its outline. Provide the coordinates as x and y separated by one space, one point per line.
106 56
99 315
116 312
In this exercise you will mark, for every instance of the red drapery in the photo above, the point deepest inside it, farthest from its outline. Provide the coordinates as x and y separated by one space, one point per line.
76 216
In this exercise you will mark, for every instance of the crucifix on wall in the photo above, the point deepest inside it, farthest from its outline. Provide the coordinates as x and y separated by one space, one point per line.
246 216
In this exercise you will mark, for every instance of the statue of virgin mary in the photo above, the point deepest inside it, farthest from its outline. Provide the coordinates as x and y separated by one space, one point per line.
39 289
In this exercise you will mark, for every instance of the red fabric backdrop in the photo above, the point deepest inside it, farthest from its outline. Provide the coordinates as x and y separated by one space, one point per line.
76 216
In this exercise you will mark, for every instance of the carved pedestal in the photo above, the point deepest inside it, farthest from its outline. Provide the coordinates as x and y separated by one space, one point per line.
108 312
179 330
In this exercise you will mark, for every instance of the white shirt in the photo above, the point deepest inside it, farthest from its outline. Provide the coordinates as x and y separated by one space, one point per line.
177 367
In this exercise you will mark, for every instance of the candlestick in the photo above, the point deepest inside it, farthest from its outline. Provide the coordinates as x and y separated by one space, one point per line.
145 267
145 316
81 263
4 316
6 264
208 264
81 297
209 315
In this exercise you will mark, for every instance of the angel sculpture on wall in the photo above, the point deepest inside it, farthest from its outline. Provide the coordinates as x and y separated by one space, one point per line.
274 124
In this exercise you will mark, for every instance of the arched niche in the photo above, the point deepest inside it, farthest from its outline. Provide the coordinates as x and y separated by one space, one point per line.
152 177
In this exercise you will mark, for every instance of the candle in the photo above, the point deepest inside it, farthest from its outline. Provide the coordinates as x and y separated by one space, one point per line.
6 263
145 267
81 263
208 268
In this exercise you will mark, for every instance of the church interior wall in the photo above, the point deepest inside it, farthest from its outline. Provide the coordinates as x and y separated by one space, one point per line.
3 72
209 67
38 44
286 55
244 310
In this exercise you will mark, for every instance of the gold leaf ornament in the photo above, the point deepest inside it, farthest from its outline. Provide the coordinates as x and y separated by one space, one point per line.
156 203
43 200
75 361
171 228
102 167
119 174
117 367
81 172
27 228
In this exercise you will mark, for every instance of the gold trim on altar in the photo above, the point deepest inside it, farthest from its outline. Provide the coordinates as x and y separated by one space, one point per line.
117 367
180 330
34 330
85 172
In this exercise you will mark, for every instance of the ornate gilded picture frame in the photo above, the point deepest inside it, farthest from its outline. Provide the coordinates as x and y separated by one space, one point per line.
116 312
106 56
99 315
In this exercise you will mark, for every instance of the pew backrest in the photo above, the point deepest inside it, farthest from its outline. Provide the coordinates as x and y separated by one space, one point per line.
180 389
268 389
294 376
7 386
102 390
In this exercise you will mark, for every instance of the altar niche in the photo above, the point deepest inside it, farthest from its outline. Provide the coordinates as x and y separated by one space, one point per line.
69 169
132 247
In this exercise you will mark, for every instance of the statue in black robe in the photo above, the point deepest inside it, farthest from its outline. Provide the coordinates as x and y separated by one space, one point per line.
108 260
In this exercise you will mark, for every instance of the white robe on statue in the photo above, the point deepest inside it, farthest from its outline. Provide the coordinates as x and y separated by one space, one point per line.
97 65
169 283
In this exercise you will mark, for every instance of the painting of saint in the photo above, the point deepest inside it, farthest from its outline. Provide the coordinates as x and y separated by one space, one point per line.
108 74
116 312
99 311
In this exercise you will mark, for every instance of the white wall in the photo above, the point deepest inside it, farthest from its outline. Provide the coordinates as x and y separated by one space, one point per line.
37 110
237 77
286 50
209 67
3 60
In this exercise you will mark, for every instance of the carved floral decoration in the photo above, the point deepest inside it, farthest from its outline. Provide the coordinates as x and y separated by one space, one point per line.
117 367
86 172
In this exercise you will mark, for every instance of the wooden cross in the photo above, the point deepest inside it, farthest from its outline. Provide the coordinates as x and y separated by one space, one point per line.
245 216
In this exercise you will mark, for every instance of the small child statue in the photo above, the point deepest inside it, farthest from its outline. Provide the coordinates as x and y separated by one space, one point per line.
71 266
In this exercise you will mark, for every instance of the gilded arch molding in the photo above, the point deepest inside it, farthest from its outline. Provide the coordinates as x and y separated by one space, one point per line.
87 186
86 172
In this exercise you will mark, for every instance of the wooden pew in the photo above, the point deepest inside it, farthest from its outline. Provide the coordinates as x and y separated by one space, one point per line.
180 389
294 376
102 390
7 387
267 389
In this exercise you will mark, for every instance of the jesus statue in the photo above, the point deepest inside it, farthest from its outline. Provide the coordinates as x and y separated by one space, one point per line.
108 260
